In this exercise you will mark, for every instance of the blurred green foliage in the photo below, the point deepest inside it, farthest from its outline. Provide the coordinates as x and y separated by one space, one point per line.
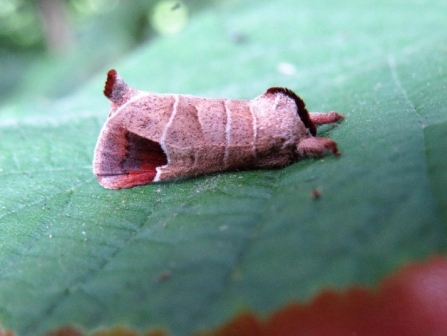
63 48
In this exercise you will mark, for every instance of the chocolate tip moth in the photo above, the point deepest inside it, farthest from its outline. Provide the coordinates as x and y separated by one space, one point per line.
150 137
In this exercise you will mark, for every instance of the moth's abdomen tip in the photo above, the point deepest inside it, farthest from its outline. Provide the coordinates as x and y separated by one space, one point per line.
116 89
110 83
112 73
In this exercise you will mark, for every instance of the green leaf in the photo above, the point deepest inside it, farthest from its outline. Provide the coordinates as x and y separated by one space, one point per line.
189 254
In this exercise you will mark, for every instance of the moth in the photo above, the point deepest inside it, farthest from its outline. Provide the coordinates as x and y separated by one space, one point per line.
150 137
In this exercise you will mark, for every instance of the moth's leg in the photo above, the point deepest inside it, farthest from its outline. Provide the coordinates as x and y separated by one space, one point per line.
315 146
320 118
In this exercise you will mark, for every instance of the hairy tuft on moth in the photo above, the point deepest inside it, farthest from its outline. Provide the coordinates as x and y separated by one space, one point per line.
150 137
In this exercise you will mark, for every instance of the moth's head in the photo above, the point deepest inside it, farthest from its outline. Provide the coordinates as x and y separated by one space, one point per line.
300 107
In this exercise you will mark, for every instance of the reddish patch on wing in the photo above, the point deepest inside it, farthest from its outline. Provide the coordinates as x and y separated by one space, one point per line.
138 166
110 83
142 159
143 154
411 302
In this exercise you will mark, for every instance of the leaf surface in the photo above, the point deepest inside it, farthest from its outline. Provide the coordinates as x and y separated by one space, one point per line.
188 254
